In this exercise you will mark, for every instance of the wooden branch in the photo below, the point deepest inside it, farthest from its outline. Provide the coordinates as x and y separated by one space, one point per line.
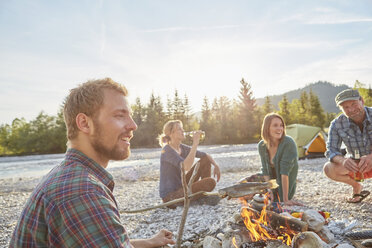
277 220
167 203
192 178
186 204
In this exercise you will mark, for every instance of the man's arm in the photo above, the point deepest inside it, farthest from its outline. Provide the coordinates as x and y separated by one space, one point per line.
164 237
90 219
333 143
347 163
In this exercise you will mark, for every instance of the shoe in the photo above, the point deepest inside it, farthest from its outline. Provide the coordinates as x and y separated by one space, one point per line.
362 195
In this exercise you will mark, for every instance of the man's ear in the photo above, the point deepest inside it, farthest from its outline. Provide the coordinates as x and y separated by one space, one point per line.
362 100
84 123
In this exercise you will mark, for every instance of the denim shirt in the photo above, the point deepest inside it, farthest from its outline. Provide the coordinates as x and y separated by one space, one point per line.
343 129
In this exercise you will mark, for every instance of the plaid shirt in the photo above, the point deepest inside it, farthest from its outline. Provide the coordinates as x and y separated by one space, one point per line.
343 129
73 206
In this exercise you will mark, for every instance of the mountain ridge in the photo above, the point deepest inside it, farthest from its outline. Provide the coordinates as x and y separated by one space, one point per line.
325 91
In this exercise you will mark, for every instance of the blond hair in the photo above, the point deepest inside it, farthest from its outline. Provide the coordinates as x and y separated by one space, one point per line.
164 138
265 129
87 98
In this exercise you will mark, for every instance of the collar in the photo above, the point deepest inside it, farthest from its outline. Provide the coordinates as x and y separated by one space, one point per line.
101 173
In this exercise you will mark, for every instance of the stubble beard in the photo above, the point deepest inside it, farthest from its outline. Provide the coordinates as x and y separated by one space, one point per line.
103 150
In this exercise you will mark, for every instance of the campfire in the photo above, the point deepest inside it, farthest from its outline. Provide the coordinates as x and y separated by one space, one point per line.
258 227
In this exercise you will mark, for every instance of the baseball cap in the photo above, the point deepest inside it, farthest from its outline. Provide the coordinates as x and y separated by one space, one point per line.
347 95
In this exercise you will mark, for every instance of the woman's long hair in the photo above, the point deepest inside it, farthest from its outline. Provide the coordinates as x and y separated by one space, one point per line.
164 138
265 129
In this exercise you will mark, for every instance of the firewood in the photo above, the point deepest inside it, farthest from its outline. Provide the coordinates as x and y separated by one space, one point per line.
277 220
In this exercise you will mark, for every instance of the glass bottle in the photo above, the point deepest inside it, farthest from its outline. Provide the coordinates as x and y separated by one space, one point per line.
191 133
358 176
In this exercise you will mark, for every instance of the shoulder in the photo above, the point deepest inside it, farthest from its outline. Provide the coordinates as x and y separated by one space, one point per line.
261 145
166 150
71 180
368 111
339 122
288 141
185 147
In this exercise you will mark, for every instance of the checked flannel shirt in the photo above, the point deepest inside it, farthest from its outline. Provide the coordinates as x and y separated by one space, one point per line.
343 129
73 206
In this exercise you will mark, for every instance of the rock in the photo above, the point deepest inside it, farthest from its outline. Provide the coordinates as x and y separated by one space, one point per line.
227 242
314 219
326 235
367 243
308 240
211 242
351 226
220 236
345 245
237 217
276 244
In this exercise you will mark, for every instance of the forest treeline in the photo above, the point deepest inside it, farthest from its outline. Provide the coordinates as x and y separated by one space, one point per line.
225 121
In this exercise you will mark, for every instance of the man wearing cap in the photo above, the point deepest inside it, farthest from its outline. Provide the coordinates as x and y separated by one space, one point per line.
354 129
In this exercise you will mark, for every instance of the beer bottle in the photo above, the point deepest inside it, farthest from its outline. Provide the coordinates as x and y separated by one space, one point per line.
358 176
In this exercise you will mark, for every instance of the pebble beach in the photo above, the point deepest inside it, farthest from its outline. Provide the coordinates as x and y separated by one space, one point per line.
136 187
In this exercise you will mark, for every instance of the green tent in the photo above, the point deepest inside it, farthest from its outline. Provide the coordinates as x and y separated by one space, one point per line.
311 141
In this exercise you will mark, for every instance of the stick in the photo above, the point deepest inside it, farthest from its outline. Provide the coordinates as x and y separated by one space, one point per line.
186 192
167 203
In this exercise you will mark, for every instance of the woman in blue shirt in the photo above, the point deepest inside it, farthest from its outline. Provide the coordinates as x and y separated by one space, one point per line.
173 154
278 154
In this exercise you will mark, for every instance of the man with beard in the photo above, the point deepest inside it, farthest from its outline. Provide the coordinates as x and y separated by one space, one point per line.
354 129
74 205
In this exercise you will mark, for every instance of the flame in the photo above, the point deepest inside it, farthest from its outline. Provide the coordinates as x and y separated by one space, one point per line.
258 226
234 242
256 231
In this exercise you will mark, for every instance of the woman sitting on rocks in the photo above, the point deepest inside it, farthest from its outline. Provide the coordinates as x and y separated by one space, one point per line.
173 154
278 153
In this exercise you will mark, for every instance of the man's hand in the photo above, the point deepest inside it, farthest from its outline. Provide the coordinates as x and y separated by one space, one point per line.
163 237
350 165
217 172
365 163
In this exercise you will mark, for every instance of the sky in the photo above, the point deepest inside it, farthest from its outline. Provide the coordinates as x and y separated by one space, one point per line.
201 48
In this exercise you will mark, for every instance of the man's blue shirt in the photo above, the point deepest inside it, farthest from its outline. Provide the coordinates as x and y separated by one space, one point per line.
343 129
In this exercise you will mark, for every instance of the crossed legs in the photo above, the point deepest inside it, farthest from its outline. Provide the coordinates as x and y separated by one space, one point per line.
206 182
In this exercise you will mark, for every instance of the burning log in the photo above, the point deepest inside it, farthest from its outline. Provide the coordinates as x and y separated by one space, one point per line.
277 220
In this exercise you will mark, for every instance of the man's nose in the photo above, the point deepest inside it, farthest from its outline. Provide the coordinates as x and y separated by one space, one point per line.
131 125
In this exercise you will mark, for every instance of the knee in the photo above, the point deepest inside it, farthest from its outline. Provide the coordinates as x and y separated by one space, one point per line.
204 161
327 169
210 183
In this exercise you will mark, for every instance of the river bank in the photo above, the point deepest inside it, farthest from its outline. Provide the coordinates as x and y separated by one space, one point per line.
136 187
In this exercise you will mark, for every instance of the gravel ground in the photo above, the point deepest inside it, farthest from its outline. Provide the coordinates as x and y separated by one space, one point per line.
137 188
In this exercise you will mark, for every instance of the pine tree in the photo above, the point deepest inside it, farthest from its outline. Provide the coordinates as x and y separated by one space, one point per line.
247 125
267 107
317 115
138 112
205 121
284 110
